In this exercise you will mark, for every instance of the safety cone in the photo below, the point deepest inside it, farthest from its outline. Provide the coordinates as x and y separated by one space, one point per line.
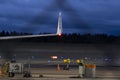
58 67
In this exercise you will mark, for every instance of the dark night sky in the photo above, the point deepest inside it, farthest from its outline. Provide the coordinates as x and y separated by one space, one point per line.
79 16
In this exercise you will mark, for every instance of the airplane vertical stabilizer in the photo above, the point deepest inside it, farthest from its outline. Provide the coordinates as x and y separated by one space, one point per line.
59 28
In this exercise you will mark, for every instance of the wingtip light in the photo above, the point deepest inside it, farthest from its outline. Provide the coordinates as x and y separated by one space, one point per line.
59 35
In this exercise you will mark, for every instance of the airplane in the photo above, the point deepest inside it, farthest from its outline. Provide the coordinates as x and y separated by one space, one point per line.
58 33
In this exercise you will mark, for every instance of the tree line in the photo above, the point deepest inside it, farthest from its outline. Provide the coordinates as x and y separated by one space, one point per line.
67 38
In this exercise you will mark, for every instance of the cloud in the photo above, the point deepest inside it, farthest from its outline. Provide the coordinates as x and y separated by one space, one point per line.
78 15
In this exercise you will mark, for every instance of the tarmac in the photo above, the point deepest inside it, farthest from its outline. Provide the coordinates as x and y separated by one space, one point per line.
61 78
52 73
44 51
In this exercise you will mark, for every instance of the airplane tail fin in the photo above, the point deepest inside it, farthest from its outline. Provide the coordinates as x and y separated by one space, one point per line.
59 28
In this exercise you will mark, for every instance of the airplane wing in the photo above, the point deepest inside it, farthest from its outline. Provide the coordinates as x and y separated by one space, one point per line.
26 36
59 32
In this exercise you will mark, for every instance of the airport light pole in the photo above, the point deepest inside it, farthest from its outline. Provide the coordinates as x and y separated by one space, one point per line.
27 73
29 64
